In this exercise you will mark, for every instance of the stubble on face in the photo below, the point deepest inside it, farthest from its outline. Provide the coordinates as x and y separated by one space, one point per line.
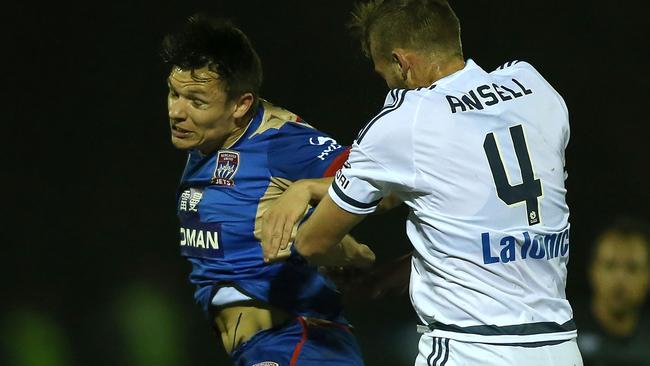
198 109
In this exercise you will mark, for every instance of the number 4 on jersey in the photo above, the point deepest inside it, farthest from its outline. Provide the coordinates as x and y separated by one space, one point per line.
530 188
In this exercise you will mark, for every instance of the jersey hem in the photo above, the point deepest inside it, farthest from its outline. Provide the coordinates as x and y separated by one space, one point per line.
504 339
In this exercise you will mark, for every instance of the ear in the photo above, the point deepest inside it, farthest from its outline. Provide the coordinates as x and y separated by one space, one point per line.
243 105
402 61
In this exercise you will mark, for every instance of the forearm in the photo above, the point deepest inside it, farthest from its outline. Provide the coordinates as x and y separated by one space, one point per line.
286 211
310 242
316 189
326 228
347 253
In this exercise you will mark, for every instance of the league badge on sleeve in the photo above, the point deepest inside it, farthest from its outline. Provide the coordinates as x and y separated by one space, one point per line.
227 165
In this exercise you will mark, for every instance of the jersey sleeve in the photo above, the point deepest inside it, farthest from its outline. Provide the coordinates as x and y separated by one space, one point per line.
381 160
299 151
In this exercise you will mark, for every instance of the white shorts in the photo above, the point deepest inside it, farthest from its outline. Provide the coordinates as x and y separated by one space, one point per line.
435 351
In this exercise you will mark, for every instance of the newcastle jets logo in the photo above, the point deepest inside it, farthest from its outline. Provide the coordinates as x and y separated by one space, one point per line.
227 165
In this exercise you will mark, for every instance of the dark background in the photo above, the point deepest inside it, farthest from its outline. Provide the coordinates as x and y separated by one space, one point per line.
91 272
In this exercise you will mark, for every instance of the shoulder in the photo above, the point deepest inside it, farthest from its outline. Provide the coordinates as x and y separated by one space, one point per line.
397 116
524 71
512 63
276 119
518 67
515 67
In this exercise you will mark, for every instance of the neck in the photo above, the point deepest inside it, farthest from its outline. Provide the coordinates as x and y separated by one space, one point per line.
241 127
621 324
441 69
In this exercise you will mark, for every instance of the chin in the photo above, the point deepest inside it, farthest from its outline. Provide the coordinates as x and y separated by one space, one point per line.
182 144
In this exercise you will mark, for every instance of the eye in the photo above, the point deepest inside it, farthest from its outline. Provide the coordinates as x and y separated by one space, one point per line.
198 103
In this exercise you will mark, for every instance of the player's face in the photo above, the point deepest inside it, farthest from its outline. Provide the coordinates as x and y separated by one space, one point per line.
200 115
620 272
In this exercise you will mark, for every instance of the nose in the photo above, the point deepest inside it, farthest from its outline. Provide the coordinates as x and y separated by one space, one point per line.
176 110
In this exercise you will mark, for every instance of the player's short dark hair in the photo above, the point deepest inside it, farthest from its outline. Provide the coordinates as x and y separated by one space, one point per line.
627 227
219 45
427 25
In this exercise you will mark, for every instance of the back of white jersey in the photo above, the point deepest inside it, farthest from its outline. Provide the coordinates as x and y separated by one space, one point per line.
479 159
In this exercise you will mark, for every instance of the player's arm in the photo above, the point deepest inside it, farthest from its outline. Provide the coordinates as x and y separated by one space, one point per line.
347 253
289 209
388 203
309 158
318 237
285 212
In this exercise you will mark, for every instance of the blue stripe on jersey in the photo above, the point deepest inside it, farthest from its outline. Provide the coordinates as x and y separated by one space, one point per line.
385 111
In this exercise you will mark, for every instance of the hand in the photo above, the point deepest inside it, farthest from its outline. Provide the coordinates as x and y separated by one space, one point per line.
343 277
280 219
389 279
358 258
364 257
388 203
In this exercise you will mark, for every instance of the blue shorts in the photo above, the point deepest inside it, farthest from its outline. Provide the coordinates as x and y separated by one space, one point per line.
299 343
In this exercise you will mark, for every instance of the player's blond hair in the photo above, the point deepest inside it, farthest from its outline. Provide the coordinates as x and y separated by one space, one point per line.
423 25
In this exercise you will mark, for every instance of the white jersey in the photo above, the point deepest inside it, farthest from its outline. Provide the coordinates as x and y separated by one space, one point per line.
479 159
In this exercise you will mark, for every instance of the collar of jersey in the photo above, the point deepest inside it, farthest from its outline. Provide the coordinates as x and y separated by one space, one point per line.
469 65
252 126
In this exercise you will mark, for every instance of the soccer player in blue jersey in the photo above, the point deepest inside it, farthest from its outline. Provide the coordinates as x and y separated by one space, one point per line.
243 153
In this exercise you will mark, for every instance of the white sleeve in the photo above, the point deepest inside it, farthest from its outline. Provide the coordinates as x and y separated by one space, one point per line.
380 162
566 132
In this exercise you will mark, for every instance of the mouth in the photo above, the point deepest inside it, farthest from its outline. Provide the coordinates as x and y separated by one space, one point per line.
180 132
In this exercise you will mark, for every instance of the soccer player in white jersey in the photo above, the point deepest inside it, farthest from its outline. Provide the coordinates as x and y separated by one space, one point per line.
478 157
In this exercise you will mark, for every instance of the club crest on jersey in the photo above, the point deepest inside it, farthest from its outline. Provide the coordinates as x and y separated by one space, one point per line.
227 165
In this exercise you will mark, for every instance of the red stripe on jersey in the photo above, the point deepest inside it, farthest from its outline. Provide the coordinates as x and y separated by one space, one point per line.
337 163
296 351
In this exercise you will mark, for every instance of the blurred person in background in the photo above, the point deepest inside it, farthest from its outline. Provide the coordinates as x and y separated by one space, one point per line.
614 329
30 337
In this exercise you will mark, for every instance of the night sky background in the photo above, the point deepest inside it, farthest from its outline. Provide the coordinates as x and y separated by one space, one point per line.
89 235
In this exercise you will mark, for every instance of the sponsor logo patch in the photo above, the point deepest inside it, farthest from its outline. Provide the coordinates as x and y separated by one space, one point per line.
324 140
190 199
267 363
227 165
321 140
